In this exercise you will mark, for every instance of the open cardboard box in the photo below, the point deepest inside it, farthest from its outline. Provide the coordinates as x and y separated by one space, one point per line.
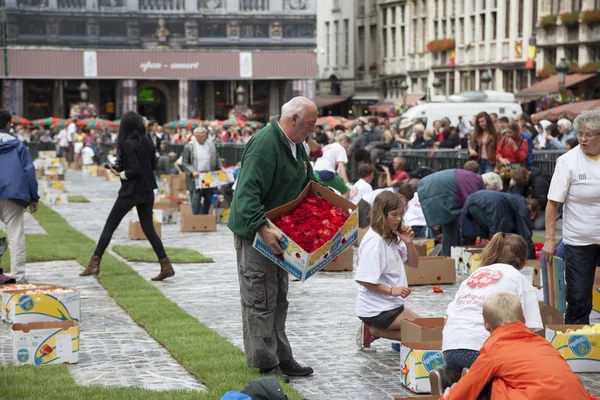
432 271
533 272
422 329
44 343
188 222
137 233
19 306
582 351
424 246
550 315
343 262
595 302
417 360
296 260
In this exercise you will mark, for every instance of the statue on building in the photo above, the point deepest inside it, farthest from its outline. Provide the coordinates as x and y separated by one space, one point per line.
234 29
191 32
162 33
276 29
518 48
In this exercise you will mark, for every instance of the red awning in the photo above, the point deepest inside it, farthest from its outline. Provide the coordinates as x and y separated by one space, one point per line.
323 102
167 64
381 107
569 111
411 99
550 85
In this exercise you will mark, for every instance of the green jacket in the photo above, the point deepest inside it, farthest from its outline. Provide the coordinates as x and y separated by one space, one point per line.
269 177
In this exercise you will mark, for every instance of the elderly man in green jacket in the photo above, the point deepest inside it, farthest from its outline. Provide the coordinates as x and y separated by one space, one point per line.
275 169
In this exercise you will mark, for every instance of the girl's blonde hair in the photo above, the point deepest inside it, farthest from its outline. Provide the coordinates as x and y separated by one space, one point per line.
384 203
505 248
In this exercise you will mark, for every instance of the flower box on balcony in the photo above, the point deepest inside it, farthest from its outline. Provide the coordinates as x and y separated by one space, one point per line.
590 67
547 71
570 18
441 45
361 68
591 17
548 21
573 68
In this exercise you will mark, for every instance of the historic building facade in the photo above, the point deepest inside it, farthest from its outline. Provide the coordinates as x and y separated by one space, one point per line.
167 59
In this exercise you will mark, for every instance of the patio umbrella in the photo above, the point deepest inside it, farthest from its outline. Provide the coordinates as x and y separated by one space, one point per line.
569 111
16 120
332 121
117 122
236 122
189 123
171 125
47 121
255 124
99 123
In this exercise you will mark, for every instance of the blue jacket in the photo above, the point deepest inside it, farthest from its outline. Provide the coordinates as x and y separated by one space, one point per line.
17 177
529 160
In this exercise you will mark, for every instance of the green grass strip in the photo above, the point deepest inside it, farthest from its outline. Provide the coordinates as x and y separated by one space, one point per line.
78 199
176 255
205 354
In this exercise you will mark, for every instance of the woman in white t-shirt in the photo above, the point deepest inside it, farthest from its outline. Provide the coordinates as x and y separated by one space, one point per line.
501 261
383 252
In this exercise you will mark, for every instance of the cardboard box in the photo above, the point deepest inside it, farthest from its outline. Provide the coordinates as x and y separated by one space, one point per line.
49 183
422 330
136 232
169 202
550 315
8 289
188 222
597 277
595 303
47 154
214 179
55 178
44 343
471 258
166 216
424 246
361 234
222 215
89 170
55 197
533 272
432 271
22 306
343 262
54 170
74 165
582 351
112 177
417 360
178 183
298 262
458 254
418 398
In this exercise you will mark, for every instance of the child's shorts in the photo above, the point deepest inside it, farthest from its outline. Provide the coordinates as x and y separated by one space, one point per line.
383 320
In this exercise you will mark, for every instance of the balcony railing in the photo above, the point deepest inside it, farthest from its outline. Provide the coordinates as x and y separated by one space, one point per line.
254 5
162 5
32 4
71 4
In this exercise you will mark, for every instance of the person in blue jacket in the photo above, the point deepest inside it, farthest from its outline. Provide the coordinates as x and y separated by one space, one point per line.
18 190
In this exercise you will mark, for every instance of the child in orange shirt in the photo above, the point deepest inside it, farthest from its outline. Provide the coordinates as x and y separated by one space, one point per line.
519 364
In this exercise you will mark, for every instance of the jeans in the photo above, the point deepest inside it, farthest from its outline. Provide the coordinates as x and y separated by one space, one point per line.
197 196
143 203
450 236
580 267
485 167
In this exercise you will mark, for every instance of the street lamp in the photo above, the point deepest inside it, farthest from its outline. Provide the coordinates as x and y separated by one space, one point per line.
241 95
561 69
83 91
403 89
436 85
486 78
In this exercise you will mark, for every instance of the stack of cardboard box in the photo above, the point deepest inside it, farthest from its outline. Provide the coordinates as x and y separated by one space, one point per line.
45 323
54 191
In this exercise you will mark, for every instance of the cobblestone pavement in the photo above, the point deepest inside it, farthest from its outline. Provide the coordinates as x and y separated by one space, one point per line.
321 321
115 351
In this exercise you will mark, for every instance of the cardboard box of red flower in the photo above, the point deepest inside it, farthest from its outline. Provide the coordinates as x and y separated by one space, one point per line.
296 260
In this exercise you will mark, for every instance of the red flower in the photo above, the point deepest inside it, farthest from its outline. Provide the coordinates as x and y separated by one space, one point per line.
538 246
46 349
437 289
312 223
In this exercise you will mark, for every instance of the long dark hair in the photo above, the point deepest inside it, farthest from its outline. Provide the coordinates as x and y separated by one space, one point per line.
132 127
489 126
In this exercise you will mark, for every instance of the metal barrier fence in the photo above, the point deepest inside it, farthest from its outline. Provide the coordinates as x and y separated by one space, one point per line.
435 159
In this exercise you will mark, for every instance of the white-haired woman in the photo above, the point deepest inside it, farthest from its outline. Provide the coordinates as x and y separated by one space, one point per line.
576 183
565 127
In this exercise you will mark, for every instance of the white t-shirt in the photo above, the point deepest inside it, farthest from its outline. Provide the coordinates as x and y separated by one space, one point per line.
63 138
359 189
464 326
87 156
414 214
332 154
72 130
370 197
576 183
202 153
379 263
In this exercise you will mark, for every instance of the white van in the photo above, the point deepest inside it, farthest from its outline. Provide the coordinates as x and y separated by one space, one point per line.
466 105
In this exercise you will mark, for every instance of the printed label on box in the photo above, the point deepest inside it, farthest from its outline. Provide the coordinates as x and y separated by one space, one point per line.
214 179
89 170
20 307
415 366
581 351
46 343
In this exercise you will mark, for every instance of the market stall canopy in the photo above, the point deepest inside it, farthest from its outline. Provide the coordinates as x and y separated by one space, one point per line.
569 111
411 99
323 102
549 85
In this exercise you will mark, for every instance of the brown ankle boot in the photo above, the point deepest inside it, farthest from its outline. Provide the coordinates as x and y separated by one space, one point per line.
93 268
166 270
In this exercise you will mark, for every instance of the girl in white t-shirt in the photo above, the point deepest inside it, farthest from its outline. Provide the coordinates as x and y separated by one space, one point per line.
383 252
464 333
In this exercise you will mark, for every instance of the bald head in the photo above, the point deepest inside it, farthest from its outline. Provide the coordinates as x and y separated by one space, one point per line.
298 118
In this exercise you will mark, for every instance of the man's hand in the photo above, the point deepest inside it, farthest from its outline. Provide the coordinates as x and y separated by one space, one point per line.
195 174
33 207
549 250
401 291
271 237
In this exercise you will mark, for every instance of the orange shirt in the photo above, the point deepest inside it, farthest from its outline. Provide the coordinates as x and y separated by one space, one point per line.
522 366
